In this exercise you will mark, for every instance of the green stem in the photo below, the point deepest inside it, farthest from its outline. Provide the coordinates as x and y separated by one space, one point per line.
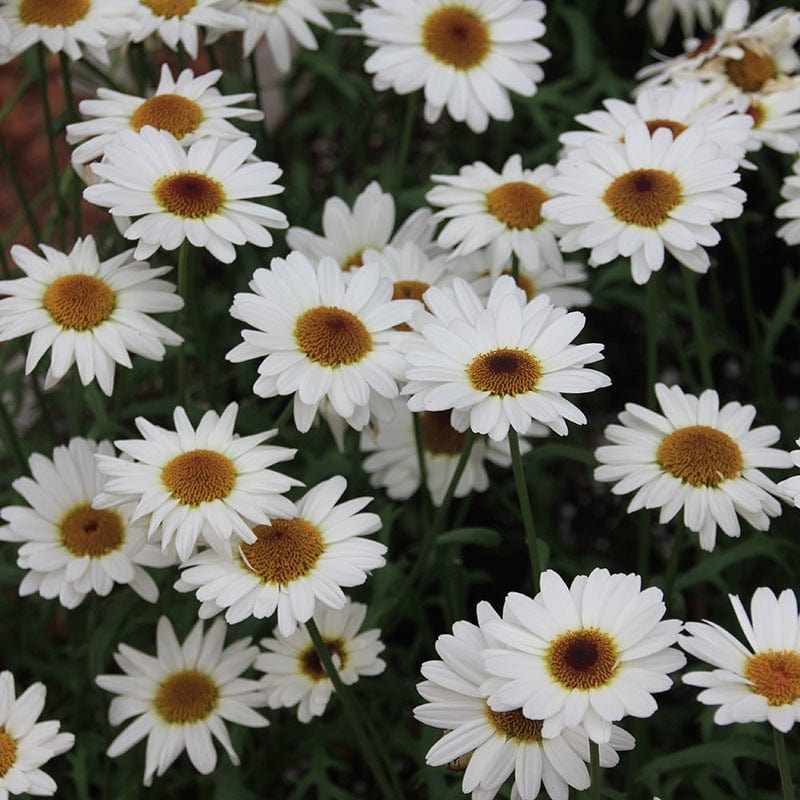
354 717
701 342
12 101
525 507
105 78
651 319
284 416
515 267
183 291
594 769
12 440
783 765
644 543
404 142
674 558
420 443
72 116
13 175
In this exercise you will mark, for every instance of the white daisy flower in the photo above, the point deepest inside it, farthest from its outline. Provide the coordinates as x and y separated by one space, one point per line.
776 120
502 210
176 22
182 697
791 486
205 483
645 195
74 27
282 21
498 744
294 675
294 562
348 233
190 108
661 14
87 312
70 548
392 461
756 684
25 744
323 337
672 107
201 194
501 365
466 55
698 457
584 655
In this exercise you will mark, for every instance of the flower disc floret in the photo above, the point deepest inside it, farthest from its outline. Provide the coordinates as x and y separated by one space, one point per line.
582 659
186 696
8 752
700 455
285 550
87 531
332 336
169 112
643 197
79 302
457 36
50 14
199 476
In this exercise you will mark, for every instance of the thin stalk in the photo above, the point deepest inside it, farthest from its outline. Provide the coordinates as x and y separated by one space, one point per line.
12 101
367 745
525 507
644 544
284 416
674 558
11 439
420 443
651 320
183 291
262 137
515 268
72 116
783 765
105 78
701 342
13 175
404 142
594 769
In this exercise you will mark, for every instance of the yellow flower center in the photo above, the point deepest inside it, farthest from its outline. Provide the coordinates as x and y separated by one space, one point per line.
582 659
409 290
775 674
185 697
199 476
170 8
643 197
525 282
751 71
672 125
80 302
332 336
700 455
517 204
704 46
354 260
86 531
168 112
515 724
439 437
312 667
8 751
505 371
284 550
457 36
191 195
267 2
756 111
51 13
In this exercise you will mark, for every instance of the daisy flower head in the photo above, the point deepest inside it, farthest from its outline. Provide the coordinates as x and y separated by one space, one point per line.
25 744
498 744
177 22
70 548
87 312
791 486
500 365
73 27
501 211
190 108
368 226
294 562
466 55
776 120
203 194
649 194
757 682
661 14
697 457
198 484
281 22
294 674
182 697
322 336
587 654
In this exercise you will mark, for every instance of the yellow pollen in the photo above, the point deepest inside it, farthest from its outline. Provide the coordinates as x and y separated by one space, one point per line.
526 283
516 725
408 290
505 371
672 125
267 2
775 674
751 71
79 302
354 260
191 195
439 437
8 751
86 531
284 550
643 197
170 8
312 667
185 697
756 111
199 476
52 13
700 455
457 36
168 112
582 659
332 336
517 204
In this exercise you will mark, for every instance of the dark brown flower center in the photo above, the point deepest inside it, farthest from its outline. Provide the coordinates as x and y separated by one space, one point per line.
311 665
170 8
86 531
516 725
751 71
191 195
505 371
439 437
775 674
582 659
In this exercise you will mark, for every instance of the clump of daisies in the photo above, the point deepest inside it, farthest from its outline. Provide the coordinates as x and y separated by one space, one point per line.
790 210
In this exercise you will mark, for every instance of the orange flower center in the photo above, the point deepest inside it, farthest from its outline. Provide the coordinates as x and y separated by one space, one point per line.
79 302
775 674
457 36
199 476
51 13
672 125
354 260
284 550
582 659
700 455
643 197
191 195
8 751
86 531
311 666
332 336
168 112
751 71
756 111
517 204
704 46
516 725
170 8
186 696
439 437
505 371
